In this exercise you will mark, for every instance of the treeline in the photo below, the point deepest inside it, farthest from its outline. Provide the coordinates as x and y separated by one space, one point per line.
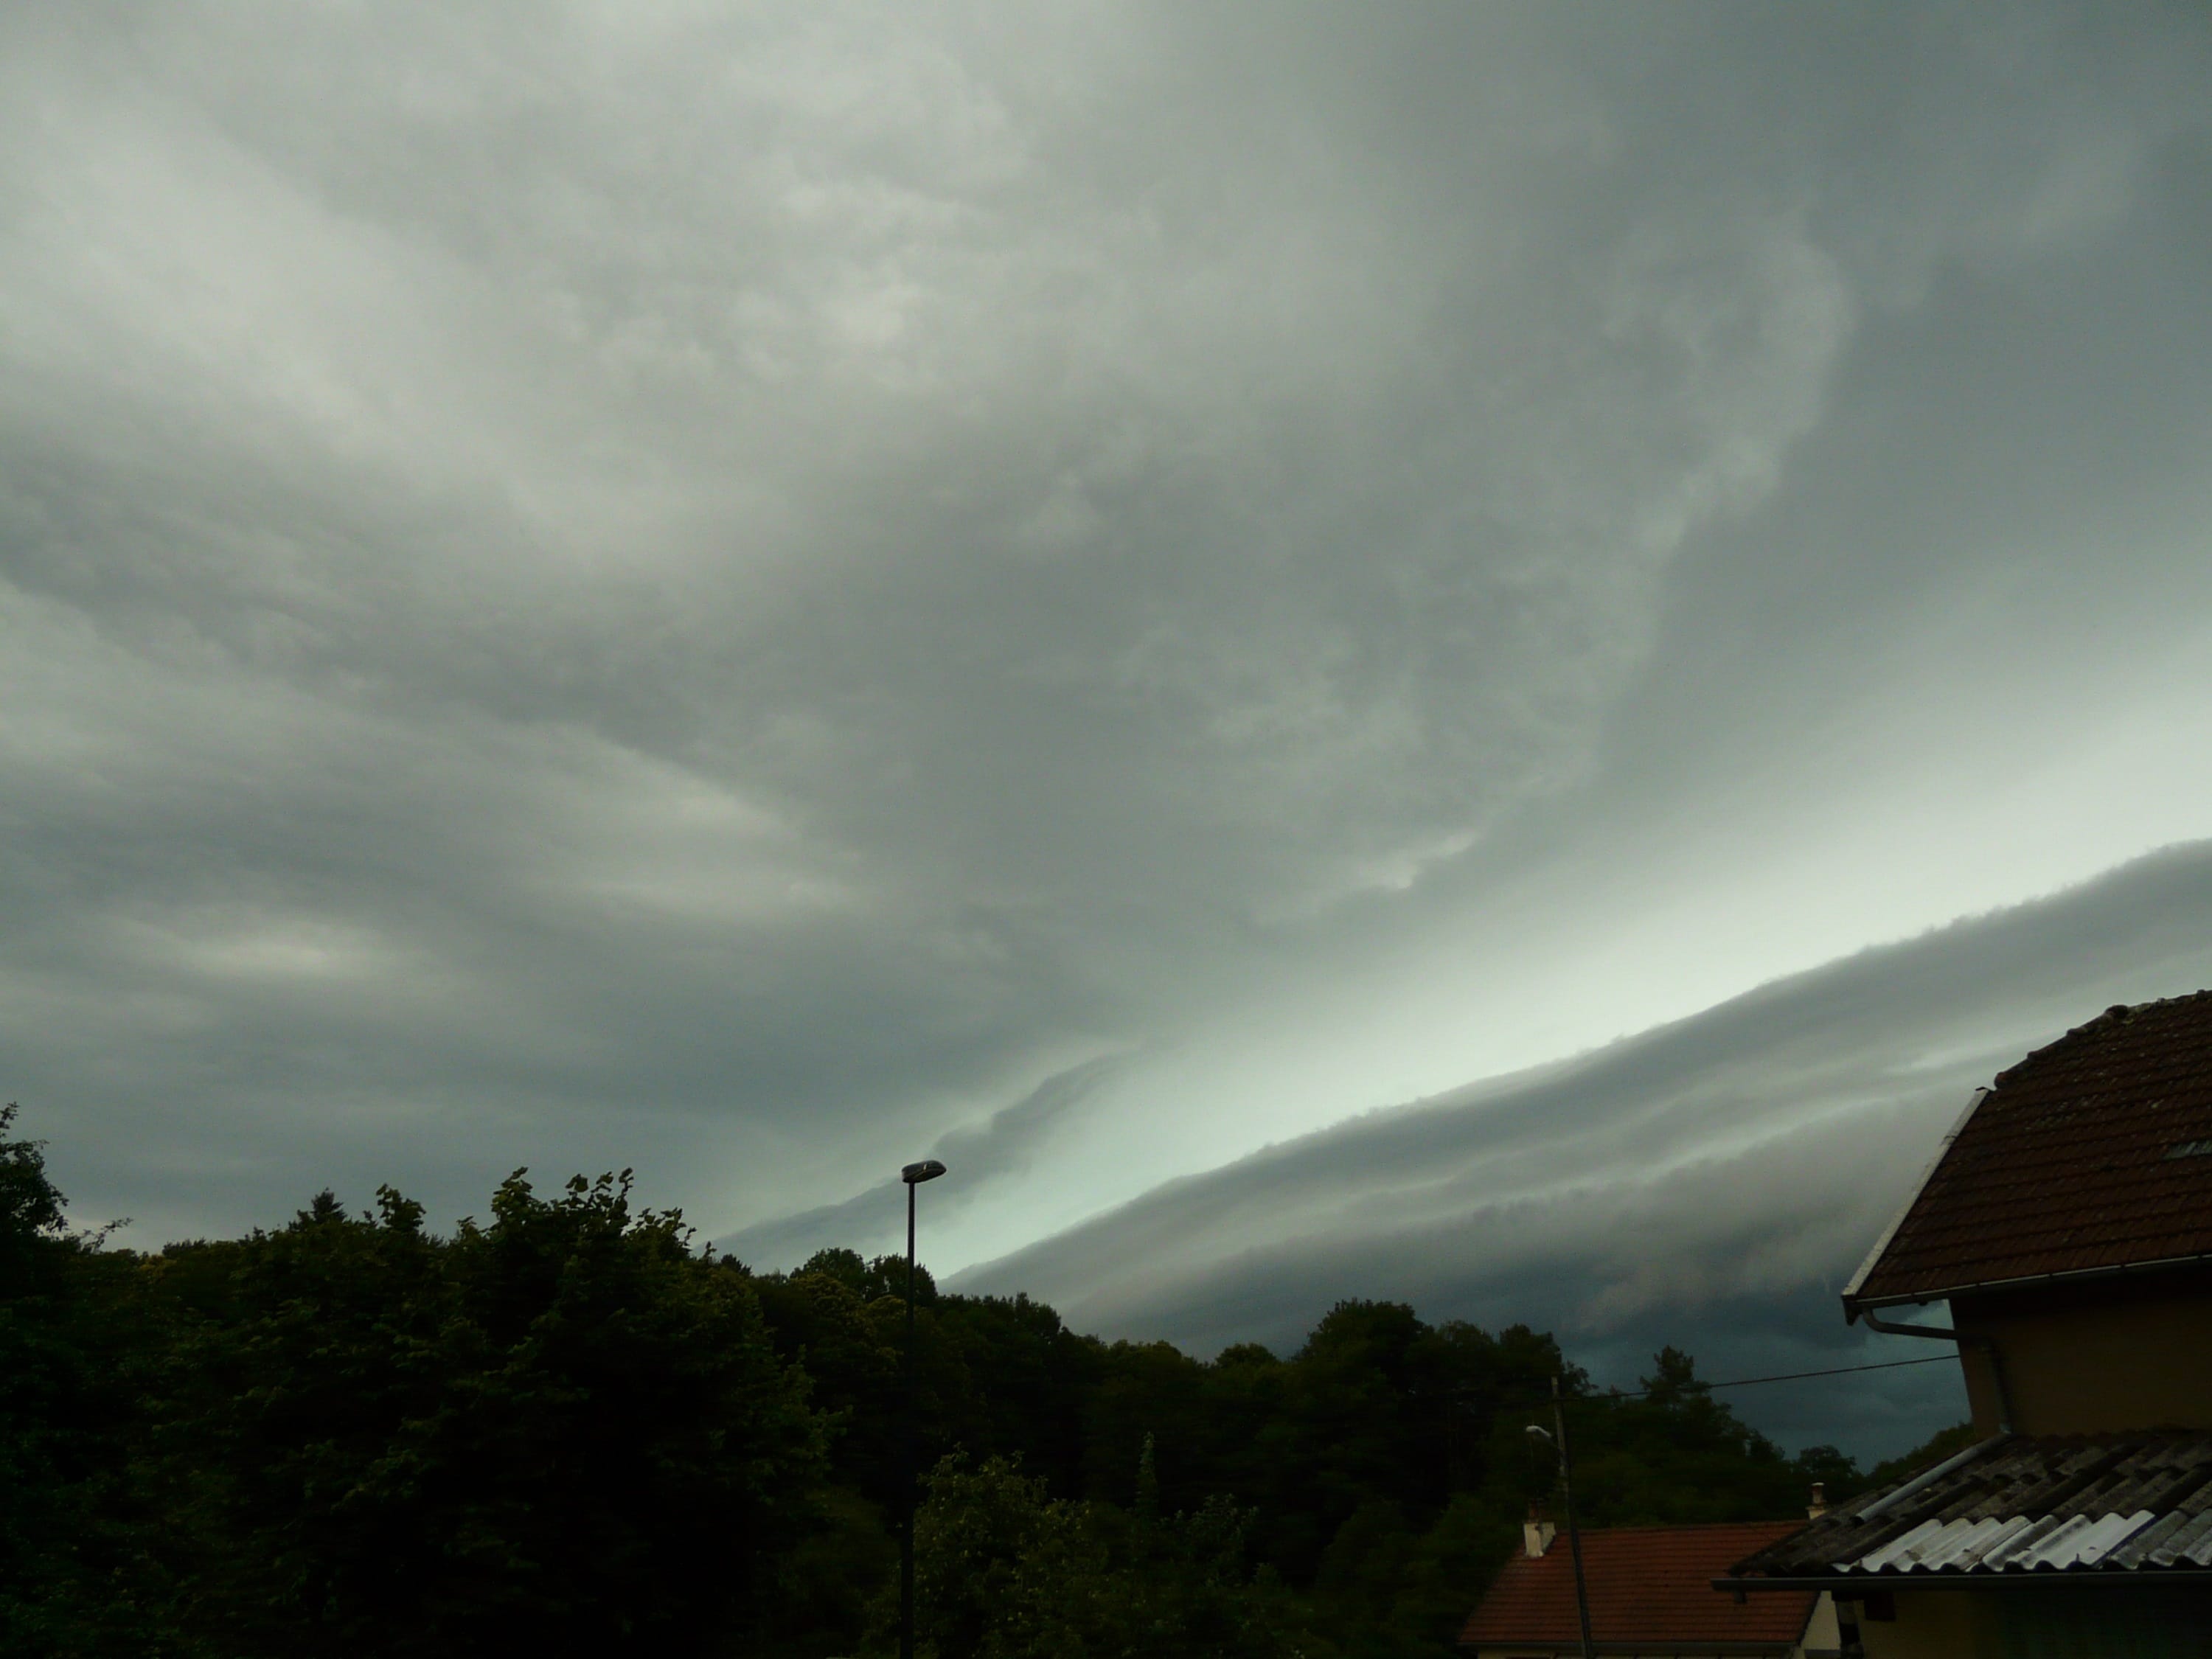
566 1428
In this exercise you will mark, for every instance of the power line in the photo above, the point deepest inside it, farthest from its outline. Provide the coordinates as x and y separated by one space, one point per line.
1700 1386
1786 1376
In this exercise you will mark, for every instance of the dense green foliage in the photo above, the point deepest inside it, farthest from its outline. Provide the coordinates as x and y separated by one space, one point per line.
568 1430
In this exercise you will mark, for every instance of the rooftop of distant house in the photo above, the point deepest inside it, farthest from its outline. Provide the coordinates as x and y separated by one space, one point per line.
2091 1155
1647 1585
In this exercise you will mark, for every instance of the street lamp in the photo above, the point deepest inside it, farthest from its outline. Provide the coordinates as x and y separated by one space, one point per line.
1567 1502
914 1175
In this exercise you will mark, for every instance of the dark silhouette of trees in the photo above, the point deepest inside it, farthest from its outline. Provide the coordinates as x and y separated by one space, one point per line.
566 1430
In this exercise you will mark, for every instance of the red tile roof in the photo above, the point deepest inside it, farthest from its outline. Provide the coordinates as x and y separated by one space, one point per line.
2094 1152
1647 1584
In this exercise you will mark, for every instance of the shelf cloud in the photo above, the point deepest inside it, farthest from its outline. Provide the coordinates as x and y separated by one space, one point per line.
1712 1182
750 592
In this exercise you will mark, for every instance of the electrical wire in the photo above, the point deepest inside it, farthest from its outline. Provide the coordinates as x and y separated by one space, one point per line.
1786 1376
1700 1386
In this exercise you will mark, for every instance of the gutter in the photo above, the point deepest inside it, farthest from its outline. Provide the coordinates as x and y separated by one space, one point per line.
1853 1308
1945 1333
1853 1311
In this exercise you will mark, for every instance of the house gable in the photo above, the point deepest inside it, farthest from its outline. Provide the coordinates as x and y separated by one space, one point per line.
2091 1156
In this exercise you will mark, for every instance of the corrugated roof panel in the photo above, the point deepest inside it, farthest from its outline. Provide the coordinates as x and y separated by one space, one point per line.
2138 1548
1995 1541
1953 1544
2089 1538
2059 1503
2059 1547
2024 1549
2104 1534
1901 1549
2191 1544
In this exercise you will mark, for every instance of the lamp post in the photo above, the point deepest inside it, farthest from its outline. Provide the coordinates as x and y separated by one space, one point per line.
1567 1501
914 1175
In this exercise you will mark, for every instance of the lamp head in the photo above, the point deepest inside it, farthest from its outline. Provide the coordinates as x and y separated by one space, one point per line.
1536 1433
914 1174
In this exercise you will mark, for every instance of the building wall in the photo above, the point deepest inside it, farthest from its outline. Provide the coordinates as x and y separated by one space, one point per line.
2104 1355
2130 1622
1822 1636
2151 1622
1936 1624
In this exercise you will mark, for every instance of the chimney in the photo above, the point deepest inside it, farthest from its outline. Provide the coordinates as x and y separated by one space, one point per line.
1536 1533
1819 1506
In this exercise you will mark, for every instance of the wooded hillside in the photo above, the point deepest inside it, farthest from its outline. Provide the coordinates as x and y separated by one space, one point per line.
567 1428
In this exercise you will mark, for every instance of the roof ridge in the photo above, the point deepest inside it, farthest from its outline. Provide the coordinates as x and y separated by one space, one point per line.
2114 1017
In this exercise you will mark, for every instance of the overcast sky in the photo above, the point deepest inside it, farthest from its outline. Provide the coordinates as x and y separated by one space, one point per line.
751 591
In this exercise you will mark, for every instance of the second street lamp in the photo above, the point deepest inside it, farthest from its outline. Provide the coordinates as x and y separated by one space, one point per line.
914 1175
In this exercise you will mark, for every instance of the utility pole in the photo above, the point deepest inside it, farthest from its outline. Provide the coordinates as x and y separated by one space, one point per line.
1574 1533
914 1175
1559 1437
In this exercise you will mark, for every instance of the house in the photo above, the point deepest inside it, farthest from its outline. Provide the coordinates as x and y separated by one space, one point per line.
2066 1222
1650 1593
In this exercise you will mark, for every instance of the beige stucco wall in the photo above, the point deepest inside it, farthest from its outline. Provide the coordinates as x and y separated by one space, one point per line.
1821 1633
2110 1354
2145 1622
1938 1624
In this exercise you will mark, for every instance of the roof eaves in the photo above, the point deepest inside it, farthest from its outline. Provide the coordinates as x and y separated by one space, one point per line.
1852 1304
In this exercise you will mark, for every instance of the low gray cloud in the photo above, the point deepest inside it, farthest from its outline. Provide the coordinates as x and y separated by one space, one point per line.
737 590
1004 1146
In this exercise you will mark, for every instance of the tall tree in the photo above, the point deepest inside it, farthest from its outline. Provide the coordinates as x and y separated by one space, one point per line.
558 1432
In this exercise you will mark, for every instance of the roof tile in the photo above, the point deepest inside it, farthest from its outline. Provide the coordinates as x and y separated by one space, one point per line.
1651 1584
2080 1158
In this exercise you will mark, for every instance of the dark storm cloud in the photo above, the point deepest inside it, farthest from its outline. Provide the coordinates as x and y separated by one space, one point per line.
731 590
1712 1182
